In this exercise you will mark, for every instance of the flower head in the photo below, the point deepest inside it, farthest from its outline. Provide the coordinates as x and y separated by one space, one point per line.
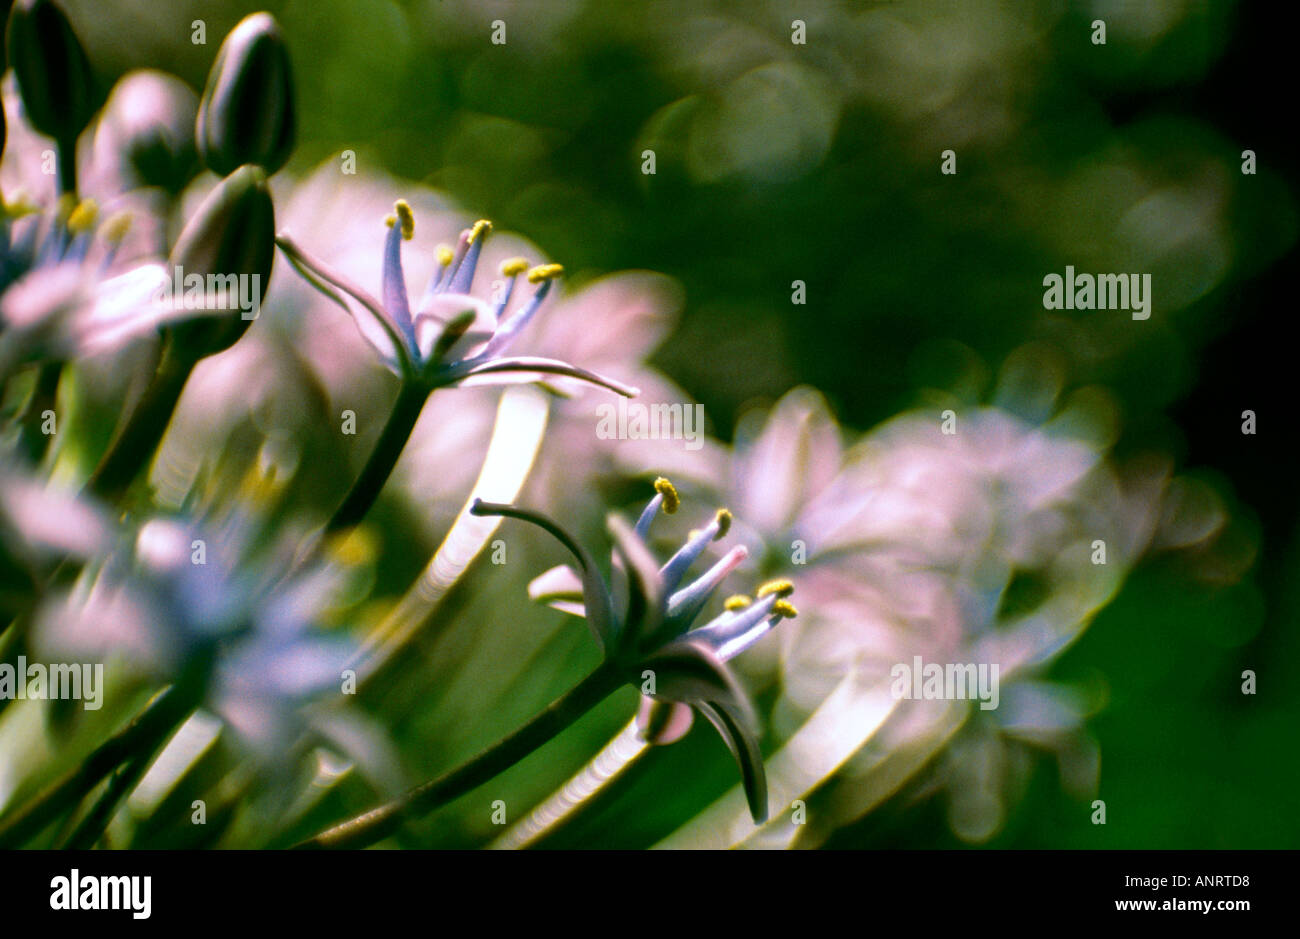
451 337
62 292
214 605
643 619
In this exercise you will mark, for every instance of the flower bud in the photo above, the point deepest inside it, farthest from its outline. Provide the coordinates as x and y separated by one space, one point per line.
147 131
231 233
51 69
247 111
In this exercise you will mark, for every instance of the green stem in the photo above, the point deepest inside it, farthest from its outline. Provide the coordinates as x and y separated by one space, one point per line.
133 446
92 826
153 725
44 396
406 411
370 827
67 165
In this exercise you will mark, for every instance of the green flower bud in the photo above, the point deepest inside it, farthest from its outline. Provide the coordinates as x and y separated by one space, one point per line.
247 111
50 66
230 242
147 128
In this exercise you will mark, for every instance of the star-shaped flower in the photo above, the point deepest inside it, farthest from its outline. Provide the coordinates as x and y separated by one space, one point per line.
61 295
451 337
643 616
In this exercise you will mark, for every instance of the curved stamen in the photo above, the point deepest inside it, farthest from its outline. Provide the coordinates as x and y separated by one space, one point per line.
462 245
401 227
463 279
511 328
675 569
685 604
443 256
511 268
734 632
648 515
665 497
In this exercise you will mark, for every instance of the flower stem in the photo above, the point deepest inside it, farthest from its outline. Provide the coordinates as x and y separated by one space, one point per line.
401 421
66 159
45 394
135 444
153 725
378 823
92 826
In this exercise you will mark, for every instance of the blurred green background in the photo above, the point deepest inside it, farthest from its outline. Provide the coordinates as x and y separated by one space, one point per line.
819 162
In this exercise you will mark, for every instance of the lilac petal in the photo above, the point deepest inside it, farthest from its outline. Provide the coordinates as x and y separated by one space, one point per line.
50 520
645 603
794 457
660 722
372 320
572 607
559 583
507 371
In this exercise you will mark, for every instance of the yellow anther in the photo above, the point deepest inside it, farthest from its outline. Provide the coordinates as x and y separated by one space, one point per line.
20 206
115 227
782 588
354 547
545 272
737 602
480 229
671 500
406 217
784 608
512 267
723 521
444 255
260 485
83 217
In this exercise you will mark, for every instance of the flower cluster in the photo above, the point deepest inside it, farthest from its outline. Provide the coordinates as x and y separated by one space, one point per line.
212 603
197 497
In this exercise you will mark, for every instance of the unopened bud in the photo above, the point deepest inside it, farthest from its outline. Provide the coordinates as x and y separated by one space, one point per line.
231 233
247 111
148 127
50 66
